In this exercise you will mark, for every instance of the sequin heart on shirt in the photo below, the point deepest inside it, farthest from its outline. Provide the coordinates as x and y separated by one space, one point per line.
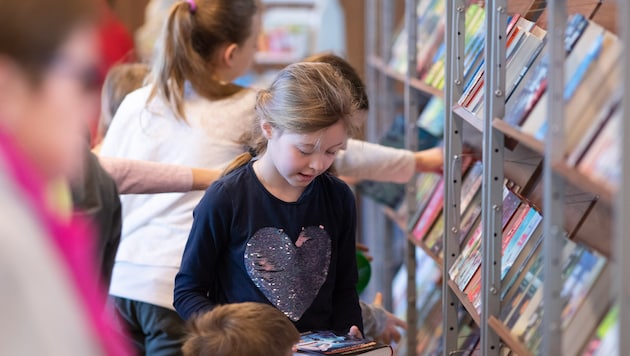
289 275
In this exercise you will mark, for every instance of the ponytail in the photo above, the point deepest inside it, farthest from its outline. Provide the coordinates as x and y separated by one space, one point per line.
187 47
259 146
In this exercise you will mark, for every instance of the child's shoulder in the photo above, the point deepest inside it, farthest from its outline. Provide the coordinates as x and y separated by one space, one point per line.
236 178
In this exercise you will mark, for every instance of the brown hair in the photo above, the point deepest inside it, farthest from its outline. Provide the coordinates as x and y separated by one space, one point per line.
31 32
304 97
241 329
120 80
188 46
347 71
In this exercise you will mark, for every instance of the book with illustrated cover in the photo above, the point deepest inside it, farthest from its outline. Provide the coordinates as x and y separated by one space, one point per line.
604 114
469 259
430 214
534 85
425 186
606 338
583 107
601 161
513 247
330 343
585 49
600 56
471 183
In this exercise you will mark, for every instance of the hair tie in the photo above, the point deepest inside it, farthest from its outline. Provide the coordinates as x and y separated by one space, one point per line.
193 6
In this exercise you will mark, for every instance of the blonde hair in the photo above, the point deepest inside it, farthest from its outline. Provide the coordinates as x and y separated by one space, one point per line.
120 80
303 98
241 329
188 47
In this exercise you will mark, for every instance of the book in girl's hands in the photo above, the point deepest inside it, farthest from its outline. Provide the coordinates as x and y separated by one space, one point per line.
330 343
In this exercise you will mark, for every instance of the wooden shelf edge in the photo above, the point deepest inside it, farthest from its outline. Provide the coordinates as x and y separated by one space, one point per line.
399 220
504 333
417 84
437 259
582 181
525 139
464 300
467 116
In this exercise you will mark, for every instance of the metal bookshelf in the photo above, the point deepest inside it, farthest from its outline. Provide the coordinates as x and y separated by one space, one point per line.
621 281
553 184
566 213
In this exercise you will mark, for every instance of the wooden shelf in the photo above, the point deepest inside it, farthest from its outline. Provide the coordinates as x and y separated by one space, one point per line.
588 205
527 140
426 250
416 84
504 333
465 302
578 179
396 217
469 117
586 219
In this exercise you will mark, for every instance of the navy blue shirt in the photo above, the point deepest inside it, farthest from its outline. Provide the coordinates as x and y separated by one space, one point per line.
247 245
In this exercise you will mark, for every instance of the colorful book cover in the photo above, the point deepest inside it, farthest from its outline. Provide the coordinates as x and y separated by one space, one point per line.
433 209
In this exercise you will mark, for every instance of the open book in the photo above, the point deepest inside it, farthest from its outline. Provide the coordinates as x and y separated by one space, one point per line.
330 343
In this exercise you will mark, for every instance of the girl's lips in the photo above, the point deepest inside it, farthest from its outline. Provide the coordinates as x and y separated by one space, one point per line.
306 176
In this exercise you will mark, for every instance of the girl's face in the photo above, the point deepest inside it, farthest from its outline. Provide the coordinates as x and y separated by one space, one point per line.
49 119
299 158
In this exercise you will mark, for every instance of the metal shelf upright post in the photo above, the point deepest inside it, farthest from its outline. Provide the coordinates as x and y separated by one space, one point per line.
621 287
492 154
553 184
411 143
453 128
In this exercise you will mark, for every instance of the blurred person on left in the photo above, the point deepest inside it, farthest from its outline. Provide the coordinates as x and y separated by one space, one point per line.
50 300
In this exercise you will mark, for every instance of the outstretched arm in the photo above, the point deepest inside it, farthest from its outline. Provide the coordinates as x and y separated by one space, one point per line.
371 161
146 177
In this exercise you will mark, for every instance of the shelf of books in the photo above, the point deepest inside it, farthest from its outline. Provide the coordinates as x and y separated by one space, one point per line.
589 170
592 59
484 294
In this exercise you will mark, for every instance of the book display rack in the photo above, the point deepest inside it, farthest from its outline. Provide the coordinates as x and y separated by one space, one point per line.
527 222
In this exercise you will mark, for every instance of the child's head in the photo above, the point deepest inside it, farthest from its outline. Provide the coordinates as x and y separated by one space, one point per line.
241 329
207 43
120 80
48 80
306 116
349 73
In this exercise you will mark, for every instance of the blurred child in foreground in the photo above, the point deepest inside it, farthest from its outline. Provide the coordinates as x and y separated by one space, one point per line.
51 302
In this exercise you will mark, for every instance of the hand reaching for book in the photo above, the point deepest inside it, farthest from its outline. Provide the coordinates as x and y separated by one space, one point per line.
390 332
430 160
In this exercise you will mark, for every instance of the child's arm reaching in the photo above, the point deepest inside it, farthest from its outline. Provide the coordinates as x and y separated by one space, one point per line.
371 161
146 177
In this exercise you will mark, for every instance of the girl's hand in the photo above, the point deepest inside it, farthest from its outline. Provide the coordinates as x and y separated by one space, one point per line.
390 332
355 332
365 250
430 160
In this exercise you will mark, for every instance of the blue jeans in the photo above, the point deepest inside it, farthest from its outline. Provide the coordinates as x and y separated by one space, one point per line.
151 329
